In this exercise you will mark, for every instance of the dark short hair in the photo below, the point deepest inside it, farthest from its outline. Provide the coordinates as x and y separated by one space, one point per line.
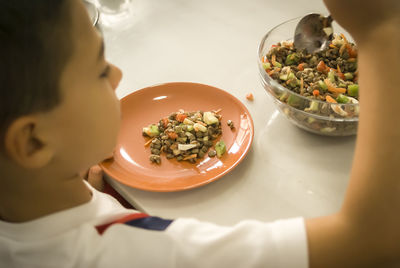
35 45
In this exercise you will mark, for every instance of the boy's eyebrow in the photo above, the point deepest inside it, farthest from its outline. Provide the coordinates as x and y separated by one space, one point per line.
101 51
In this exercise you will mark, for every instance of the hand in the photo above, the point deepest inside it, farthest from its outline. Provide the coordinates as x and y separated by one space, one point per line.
94 176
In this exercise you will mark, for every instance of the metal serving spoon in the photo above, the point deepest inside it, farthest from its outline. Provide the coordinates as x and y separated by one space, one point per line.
313 33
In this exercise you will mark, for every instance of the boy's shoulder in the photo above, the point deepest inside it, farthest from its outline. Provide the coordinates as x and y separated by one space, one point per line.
103 233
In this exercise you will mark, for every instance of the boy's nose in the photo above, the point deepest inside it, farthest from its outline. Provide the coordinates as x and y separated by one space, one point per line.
115 76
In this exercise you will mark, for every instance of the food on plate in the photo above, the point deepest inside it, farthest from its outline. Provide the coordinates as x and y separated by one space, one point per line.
324 83
230 124
220 148
186 136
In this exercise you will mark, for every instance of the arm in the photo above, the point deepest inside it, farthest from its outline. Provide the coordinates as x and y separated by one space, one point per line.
366 231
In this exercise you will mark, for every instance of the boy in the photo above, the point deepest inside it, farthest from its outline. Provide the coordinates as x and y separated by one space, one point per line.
59 115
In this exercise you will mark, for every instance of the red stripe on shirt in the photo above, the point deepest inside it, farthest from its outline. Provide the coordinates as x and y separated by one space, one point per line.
102 228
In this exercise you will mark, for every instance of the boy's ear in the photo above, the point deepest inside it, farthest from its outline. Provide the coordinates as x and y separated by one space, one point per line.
24 146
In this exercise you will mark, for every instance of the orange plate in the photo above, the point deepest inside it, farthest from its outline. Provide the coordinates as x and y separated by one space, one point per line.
131 164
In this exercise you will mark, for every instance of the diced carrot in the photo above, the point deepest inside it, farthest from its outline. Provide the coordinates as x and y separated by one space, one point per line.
332 88
148 142
250 97
316 92
172 135
352 51
322 67
271 72
332 46
201 123
264 59
180 117
190 157
165 122
300 67
330 99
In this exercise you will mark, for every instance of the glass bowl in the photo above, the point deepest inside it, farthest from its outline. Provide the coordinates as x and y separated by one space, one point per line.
322 118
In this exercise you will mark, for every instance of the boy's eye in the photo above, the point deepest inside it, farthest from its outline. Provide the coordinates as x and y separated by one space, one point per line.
106 72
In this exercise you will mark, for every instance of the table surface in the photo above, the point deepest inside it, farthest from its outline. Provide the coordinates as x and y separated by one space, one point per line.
288 172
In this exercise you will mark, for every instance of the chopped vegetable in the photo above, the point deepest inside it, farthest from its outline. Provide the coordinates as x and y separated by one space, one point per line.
275 63
180 117
199 127
332 88
342 99
209 118
313 107
187 121
348 76
331 76
183 135
267 66
330 99
172 135
322 85
292 59
190 127
250 97
353 90
185 147
220 148
322 67
293 100
151 131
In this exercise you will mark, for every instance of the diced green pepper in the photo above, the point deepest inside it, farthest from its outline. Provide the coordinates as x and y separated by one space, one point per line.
293 82
283 96
266 65
189 127
322 85
284 77
292 59
348 76
352 90
311 120
313 106
331 76
151 131
293 100
287 76
291 76
220 148
277 64
154 130
342 99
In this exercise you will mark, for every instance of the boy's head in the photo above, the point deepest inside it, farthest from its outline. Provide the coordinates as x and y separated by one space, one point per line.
58 110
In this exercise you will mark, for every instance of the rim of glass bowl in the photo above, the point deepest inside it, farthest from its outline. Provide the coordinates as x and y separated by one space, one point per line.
268 80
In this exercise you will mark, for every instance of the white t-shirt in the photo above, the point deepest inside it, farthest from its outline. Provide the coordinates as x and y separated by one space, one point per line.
86 236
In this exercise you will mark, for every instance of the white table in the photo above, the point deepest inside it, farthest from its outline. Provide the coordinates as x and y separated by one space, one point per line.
288 172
